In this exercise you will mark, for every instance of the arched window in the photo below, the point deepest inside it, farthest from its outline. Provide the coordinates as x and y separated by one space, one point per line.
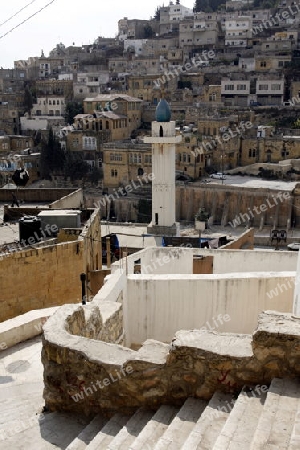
161 131
140 171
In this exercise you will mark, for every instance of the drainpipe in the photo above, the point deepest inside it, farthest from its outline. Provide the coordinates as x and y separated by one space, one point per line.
83 291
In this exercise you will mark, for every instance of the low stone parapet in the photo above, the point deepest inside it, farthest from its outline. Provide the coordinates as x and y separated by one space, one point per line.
92 376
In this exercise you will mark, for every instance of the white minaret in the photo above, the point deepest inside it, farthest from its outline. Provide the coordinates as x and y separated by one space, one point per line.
163 142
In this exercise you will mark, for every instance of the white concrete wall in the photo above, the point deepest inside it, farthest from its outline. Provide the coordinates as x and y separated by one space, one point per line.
73 200
296 300
159 305
34 123
166 260
24 327
158 260
229 261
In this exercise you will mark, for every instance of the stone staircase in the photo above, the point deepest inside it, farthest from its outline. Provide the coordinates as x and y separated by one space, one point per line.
256 420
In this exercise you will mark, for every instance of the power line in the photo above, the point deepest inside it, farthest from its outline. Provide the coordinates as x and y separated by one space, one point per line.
18 12
26 20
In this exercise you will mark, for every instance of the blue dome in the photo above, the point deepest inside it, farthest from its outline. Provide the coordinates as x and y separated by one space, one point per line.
163 112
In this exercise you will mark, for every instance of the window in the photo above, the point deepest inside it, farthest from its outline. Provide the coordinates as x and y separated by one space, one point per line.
262 87
75 142
115 157
114 173
280 63
241 87
263 64
275 87
148 159
229 87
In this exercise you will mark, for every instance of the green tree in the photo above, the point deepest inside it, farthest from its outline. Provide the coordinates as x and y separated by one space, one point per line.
72 109
75 166
208 5
144 210
95 175
148 31
52 156
157 14
28 100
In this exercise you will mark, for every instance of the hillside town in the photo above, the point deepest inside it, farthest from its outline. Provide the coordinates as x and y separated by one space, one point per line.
231 76
150 233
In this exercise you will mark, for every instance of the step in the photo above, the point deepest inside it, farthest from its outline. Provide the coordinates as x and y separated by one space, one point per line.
275 426
295 437
182 424
241 424
88 434
131 430
155 428
108 432
210 424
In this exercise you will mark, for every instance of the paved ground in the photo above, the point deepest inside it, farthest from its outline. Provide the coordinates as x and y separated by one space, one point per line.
251 182
23 426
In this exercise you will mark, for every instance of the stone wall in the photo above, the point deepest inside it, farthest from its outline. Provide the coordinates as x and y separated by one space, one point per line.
225 203
90 376
50 275
103 322
40 278
35 195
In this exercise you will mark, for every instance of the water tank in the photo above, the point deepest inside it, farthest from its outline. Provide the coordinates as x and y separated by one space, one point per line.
60 218
30 231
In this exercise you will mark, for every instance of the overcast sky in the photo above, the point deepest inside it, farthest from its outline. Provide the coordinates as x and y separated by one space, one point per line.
65 21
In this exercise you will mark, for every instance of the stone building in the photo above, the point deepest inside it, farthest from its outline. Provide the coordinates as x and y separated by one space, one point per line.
124 162
121 104
115 124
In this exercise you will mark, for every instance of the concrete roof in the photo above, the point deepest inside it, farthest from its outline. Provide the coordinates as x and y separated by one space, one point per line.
131 236
59 212
110 97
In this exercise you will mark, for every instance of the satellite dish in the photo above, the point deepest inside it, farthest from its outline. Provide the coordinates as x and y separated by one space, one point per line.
20 177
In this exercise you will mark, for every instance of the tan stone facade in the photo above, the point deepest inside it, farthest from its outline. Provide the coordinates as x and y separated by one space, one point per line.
49 276
122 105
124 162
